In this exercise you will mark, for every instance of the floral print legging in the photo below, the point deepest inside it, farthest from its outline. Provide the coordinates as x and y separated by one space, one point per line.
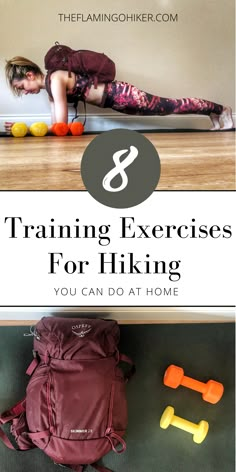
126 98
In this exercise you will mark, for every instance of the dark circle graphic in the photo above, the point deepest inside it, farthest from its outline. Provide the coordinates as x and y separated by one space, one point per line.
120 168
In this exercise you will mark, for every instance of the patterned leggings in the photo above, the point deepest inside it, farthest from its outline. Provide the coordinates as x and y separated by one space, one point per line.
126 98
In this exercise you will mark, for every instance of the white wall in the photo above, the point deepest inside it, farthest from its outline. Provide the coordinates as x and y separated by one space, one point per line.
191 57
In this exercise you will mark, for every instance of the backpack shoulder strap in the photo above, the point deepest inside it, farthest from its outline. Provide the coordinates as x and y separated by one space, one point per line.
5 440
97 467
15 411
100 468
16 415
131 372
8 416
76 103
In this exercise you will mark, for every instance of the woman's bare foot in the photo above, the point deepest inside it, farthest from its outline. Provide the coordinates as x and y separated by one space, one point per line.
226 118
215 121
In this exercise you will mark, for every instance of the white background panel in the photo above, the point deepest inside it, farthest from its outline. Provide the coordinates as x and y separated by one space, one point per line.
206 265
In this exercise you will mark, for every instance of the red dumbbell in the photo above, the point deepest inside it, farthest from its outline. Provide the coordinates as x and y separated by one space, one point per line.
212 391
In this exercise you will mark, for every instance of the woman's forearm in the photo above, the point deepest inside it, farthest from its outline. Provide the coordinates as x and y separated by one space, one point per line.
60 107
61 112
53 117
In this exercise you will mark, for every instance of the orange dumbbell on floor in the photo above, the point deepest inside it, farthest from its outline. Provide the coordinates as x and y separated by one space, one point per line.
60 129
212 391
76 128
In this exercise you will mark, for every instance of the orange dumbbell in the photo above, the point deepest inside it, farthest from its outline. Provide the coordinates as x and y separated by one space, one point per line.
76 128
212 391
60 129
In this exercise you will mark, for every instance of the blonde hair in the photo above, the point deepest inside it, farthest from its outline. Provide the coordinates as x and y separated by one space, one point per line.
17 68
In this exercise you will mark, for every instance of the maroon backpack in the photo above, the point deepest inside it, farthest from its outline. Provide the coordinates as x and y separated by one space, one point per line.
97 65
75 407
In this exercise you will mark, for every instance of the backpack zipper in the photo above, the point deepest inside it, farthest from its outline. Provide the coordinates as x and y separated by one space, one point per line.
49 405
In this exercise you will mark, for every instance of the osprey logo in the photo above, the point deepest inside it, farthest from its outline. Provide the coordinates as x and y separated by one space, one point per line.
81 330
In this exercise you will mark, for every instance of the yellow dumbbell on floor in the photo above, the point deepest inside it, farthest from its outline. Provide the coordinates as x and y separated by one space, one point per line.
19 130
199 430
39 129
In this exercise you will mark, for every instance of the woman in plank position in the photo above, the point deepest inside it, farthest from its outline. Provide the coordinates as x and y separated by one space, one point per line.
25 77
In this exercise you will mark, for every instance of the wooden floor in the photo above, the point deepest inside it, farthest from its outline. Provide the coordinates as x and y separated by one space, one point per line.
189 161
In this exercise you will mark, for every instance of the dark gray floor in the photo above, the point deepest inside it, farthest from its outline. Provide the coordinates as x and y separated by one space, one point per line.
204 350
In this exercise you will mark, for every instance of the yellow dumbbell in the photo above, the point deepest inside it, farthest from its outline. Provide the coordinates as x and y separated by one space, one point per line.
19 130
199 430
39 129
